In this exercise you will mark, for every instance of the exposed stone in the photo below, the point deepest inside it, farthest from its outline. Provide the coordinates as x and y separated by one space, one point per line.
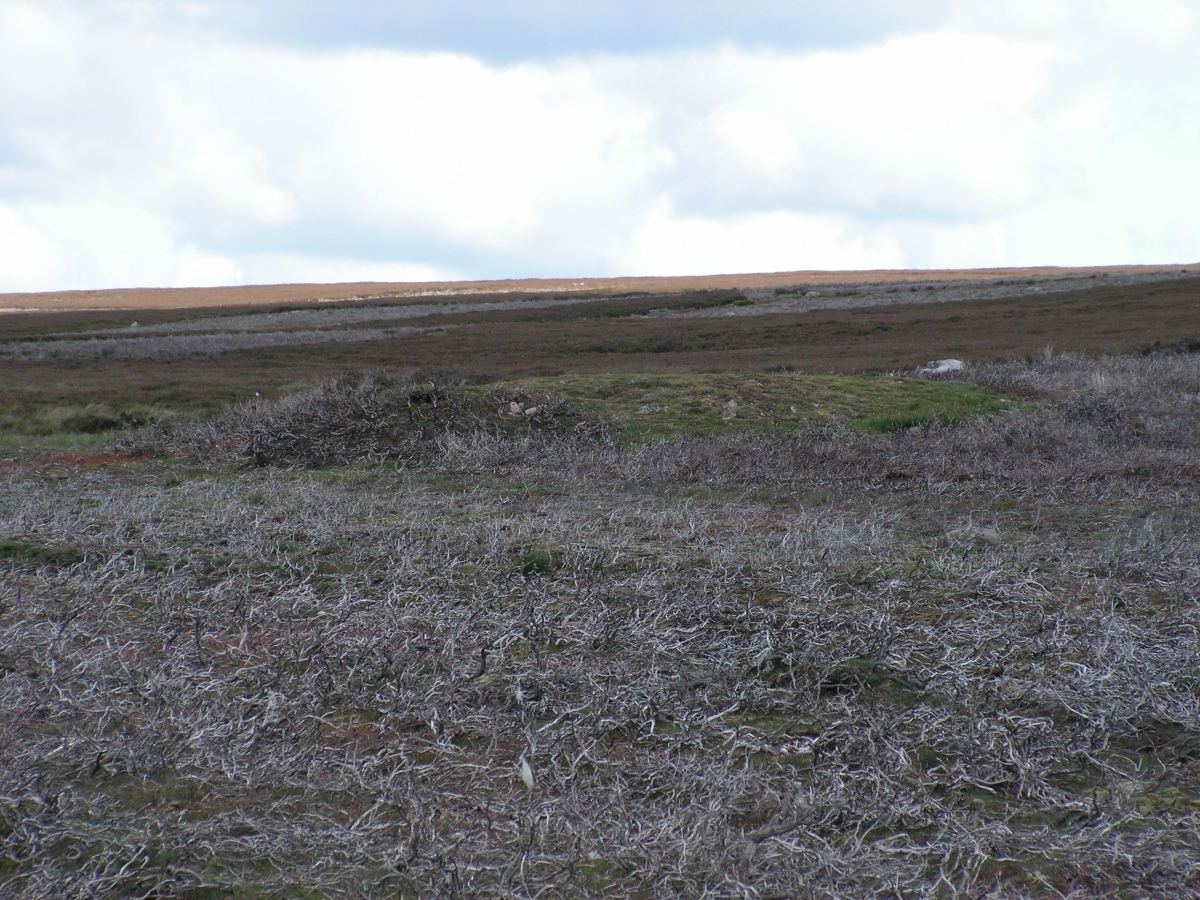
942 367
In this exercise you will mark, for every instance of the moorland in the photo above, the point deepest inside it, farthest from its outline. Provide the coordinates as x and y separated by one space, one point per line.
633 589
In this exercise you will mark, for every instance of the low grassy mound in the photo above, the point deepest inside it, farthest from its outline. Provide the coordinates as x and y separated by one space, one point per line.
657 406
373 419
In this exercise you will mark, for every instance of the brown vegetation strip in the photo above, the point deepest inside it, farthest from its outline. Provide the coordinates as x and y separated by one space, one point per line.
1101 319
259 295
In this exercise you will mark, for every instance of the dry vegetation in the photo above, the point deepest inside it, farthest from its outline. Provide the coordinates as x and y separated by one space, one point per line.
382 639
187 361
250 296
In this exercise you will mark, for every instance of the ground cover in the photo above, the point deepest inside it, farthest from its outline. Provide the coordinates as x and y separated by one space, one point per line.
273 294
400 638
658 406
600 336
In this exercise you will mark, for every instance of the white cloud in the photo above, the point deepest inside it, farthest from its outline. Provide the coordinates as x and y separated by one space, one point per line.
99 241
134 153
670 244
27 259
1130 27
932 125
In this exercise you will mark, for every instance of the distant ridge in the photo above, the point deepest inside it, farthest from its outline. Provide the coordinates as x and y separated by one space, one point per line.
256 295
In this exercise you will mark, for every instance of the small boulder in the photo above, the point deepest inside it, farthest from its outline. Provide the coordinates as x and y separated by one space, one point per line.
942 367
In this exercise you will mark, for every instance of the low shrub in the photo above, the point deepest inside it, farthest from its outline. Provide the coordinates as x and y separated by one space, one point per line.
370 419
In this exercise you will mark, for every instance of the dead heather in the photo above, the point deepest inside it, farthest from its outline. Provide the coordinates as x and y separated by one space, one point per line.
386 639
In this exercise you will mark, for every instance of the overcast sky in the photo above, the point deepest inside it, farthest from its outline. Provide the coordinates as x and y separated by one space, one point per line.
226 142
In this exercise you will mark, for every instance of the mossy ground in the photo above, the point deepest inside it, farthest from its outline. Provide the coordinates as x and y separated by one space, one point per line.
643 407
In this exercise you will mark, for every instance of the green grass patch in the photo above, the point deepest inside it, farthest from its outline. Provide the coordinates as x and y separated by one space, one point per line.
79 418
535 562
35 553
648 407
16 446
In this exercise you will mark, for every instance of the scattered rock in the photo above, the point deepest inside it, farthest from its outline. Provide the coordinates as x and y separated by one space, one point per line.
729 411
813 294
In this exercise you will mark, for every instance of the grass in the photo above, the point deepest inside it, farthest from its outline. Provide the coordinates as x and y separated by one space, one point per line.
638 407
18 444
37 553
649 407
535 562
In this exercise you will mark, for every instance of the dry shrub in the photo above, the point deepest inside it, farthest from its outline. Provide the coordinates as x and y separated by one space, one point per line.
368 419
753 667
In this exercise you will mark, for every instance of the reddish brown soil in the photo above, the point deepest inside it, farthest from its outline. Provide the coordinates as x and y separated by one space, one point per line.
259 295
76 461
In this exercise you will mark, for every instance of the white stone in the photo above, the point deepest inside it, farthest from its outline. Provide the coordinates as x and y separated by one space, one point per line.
941 367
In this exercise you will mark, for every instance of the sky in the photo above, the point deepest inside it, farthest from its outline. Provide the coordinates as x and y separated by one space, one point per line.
214 142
